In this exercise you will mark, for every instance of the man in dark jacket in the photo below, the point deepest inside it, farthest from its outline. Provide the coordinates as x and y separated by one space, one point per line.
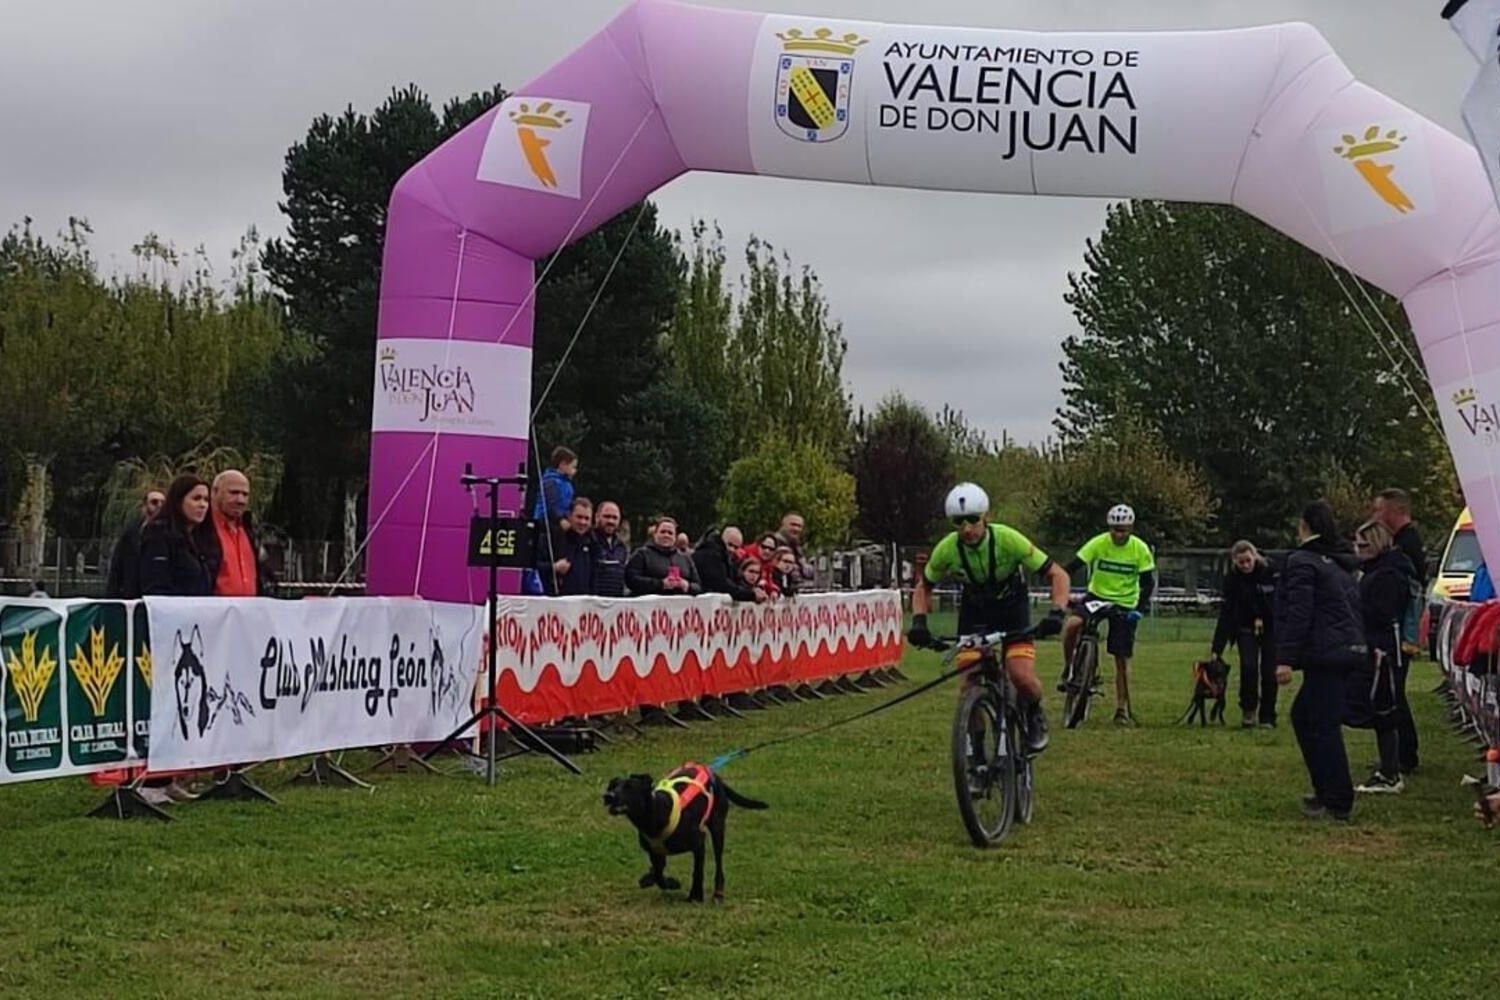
790 536
124 579
717 559
610 553
658 568
1320 631
567 564
1392 508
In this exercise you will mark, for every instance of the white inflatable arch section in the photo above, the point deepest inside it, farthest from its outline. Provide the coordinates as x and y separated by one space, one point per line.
1267 119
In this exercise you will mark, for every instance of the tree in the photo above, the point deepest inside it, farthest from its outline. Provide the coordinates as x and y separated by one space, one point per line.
903 467
59 391
1242 351
780 476
790 353
337 181
1125 462
770 355
608 386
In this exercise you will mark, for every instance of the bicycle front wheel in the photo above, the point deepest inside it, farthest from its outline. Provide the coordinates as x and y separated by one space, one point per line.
1080 684
1025 771
984 766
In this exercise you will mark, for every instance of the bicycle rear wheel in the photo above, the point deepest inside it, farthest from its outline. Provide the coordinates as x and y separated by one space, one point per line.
984 762
1080 684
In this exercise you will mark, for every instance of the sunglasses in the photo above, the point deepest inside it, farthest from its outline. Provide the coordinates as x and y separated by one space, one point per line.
968 519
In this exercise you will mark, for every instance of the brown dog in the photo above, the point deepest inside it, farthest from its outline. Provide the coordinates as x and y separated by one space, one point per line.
671 817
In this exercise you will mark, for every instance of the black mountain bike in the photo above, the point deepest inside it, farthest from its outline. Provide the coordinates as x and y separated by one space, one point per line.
993 774
1080 680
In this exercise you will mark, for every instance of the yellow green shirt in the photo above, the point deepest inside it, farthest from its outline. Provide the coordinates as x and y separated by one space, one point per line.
1115 570
1011 549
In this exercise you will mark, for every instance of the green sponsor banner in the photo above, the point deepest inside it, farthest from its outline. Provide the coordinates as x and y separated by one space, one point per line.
31 651
140 677
97 650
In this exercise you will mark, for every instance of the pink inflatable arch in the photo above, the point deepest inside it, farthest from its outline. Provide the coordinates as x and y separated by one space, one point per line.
1265 118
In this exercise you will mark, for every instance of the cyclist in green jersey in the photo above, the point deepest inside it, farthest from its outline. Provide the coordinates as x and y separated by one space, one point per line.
991 561
1121 570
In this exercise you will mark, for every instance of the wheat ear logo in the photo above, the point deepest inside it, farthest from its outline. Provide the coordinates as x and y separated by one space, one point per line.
95 670
30 675
533 145
1363 153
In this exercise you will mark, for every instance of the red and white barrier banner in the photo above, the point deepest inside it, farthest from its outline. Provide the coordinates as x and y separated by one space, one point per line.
582 656
246 679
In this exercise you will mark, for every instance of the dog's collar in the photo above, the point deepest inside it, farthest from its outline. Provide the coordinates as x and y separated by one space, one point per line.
682 786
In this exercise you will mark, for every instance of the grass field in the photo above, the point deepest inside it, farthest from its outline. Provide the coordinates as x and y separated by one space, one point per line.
1163 861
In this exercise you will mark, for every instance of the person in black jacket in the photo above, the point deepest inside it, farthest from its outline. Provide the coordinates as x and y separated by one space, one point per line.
1319 631
1384 589
172 561
124 580
566 562
658 568
610 552
717 559
1245 616
1393 509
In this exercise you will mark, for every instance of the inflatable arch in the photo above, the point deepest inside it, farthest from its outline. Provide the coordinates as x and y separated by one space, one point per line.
1265 118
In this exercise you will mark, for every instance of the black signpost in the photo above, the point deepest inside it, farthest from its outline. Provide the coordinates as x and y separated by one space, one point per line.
497 541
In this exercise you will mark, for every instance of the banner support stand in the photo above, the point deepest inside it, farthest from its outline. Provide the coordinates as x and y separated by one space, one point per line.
126 802
399 759
324 771
491 712
235 787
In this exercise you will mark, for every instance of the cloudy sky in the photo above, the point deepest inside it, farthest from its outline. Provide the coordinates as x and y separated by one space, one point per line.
173 116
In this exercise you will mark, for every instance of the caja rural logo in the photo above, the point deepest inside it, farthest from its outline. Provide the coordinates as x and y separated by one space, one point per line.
814 79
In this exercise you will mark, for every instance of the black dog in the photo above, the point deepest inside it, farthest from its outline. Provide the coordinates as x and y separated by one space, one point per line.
1210 680
671 816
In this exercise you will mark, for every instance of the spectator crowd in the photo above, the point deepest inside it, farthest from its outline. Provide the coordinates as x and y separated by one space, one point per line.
581 550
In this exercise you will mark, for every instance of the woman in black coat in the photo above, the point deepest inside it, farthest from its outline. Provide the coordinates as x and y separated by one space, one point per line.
1384 588
1320 631
172 557
1249 596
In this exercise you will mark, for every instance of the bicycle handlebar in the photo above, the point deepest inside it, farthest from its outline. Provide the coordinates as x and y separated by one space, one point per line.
978 640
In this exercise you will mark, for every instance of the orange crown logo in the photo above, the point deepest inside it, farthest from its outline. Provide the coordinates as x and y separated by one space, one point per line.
1464 397
821 40
545 116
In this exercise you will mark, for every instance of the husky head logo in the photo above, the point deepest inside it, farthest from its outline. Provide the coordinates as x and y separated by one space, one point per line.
191 684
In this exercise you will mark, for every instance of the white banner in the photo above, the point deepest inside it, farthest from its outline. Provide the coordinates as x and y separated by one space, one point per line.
1004 110
251 679
456 386
1478 24
1482 115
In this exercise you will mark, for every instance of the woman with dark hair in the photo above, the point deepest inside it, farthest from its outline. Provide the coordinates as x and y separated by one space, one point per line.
1384 589
1249 592
1319 631
172 562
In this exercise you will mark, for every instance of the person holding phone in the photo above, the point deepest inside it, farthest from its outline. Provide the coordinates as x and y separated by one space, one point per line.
658 568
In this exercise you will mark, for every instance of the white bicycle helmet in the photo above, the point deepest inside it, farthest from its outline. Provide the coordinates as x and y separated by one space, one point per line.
966 499
1121 516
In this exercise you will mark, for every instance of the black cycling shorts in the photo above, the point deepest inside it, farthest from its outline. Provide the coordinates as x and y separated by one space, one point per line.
1009 614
